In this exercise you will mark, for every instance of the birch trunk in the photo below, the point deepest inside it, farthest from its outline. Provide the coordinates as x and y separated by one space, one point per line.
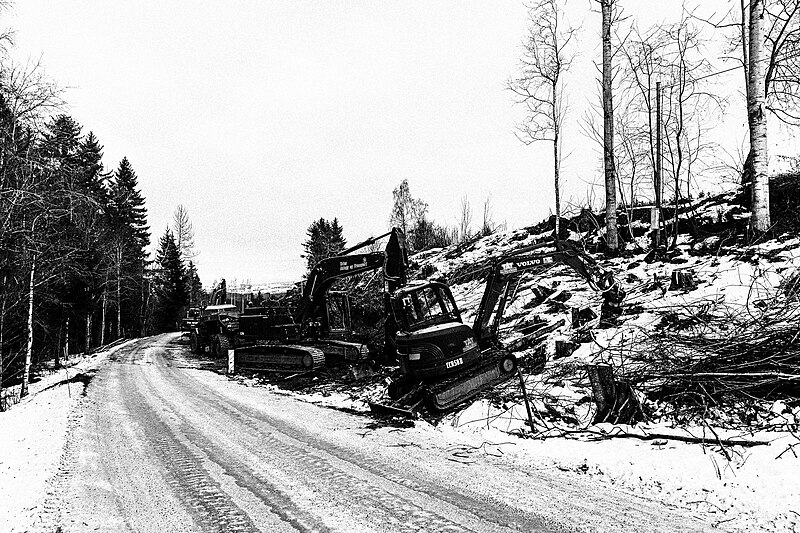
119 297
757 118
103 317
608 132
88 345
26 374
556 174
2 328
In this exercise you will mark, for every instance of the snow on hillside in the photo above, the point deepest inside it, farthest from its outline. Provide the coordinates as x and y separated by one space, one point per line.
748 487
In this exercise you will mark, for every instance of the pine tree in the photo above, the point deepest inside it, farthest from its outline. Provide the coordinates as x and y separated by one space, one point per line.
170 285
129 206
93 181
61 141
325 239
195 286
132 237
336 242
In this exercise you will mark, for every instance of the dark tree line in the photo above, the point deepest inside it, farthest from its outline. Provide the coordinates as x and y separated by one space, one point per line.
72 241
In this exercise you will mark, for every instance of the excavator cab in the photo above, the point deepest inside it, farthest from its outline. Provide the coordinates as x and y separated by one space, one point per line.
431 339
337 315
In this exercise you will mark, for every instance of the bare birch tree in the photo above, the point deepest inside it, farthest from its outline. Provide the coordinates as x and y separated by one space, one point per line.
770 30
465 220
183 231
609 168
547 55
757 117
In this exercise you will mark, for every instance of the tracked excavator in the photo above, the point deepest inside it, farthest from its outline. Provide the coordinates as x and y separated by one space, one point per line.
319 330
444 362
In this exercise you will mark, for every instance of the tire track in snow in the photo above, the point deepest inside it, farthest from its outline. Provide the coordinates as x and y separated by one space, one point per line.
51 515
391 500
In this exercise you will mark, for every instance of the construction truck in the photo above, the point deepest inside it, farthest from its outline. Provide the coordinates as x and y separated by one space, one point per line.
217 325
191 319
444 362
278 338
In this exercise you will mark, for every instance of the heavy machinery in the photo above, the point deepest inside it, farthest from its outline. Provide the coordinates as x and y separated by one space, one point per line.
217 326
444 362
191 319
275 338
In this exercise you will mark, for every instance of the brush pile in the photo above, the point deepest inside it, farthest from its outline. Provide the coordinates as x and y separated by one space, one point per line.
718 355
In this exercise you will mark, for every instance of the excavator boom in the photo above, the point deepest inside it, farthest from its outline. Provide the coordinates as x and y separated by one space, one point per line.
537 257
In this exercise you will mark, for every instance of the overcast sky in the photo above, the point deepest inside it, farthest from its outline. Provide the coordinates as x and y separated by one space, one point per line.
262 116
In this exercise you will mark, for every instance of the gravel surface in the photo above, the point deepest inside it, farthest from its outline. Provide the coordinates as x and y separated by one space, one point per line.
164 443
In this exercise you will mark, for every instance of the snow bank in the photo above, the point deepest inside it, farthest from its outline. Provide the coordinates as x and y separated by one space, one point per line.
33 434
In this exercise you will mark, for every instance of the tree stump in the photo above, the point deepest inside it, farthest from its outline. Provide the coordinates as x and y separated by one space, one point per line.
582 316
615 400
565 348
682 279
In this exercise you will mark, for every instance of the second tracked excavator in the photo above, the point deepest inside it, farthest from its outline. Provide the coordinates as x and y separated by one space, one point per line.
279 339
444 362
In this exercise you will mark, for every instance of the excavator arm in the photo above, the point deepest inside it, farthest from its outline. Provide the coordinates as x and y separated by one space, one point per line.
393 260
507 269
219 293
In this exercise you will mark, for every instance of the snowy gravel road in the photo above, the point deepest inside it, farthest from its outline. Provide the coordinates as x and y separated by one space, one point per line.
164 445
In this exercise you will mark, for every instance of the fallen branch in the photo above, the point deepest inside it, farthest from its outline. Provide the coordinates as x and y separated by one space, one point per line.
688 438
669 436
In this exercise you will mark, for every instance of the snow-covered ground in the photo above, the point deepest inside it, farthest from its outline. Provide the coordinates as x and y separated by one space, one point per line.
33 434
747 488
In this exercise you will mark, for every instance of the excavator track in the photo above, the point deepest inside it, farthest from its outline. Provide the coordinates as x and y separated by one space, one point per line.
498 365
279 358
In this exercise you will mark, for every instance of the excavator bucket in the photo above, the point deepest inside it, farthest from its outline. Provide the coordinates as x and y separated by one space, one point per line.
385 409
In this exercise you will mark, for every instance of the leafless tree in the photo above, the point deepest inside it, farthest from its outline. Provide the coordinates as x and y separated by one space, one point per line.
465 220
609 168
547 55
757 116
689 108
406 210
183 231
488 226
766 42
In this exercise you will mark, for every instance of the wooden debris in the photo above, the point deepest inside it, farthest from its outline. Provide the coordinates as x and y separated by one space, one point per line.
582 316
565 348
682 279
616 402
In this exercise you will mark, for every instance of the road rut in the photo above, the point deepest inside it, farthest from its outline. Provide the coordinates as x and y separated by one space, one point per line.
162 444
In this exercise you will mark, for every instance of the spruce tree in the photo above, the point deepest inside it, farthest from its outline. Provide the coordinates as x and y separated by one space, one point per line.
92 179
336 242
170 285
129 206
325 239
129 255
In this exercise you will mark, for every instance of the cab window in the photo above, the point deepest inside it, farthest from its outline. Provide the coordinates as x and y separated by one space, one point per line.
427 306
